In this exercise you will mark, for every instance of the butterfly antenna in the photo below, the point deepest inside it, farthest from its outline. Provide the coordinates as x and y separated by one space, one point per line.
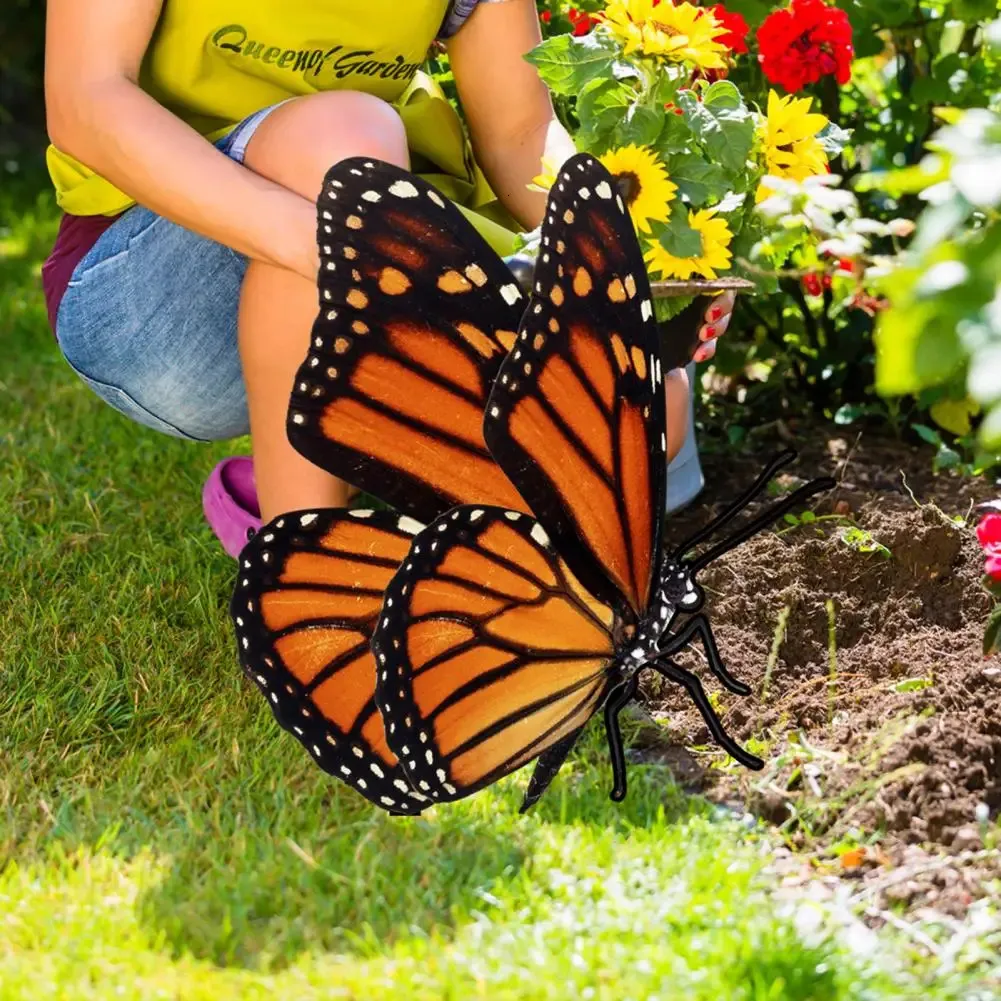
780 460
771 515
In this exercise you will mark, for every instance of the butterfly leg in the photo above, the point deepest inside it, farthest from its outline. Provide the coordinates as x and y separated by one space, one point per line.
699 626
615 704
694 688
546 769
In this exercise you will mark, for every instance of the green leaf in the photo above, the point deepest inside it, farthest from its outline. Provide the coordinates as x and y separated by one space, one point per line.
675 137
669 307
927 434
600 108
992 632
566 63
912 685
698 180
908 181
641 125
722 124
676 236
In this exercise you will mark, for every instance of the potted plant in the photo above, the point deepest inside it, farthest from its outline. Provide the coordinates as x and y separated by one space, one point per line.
644 86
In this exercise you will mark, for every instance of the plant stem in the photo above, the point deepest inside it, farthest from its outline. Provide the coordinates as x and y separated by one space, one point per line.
832 661
773 655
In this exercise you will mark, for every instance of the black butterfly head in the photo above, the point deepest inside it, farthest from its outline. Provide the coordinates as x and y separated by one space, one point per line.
679 588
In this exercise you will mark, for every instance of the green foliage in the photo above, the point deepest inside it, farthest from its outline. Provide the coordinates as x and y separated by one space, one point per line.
22 35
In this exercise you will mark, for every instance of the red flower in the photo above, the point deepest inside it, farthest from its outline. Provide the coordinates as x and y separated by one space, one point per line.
545 17
989 537
813 284
582 23
736 27
804 42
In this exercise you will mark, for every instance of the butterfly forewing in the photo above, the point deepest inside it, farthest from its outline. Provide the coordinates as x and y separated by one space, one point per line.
576 417
416 315
309 592
490 651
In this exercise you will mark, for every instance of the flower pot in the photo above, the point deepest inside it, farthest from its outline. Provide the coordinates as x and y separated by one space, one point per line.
679 336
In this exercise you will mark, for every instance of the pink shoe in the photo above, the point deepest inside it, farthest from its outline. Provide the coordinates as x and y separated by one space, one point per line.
229 499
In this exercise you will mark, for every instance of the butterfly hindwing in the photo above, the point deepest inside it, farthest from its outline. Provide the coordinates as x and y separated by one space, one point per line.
416 315
576 418
489 651
309 591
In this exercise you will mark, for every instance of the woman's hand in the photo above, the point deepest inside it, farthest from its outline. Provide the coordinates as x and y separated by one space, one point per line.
717 319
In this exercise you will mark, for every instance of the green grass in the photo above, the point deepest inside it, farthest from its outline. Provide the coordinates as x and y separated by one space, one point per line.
161 838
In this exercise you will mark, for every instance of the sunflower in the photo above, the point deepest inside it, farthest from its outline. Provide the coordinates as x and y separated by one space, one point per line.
789 136
643 183
715 256
681 33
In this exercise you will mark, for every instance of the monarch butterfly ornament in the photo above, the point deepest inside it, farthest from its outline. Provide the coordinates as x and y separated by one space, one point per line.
499 635
504 633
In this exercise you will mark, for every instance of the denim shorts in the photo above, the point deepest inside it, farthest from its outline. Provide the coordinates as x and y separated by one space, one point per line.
148 320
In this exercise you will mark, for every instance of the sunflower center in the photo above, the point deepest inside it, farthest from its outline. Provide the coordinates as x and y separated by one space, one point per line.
629 186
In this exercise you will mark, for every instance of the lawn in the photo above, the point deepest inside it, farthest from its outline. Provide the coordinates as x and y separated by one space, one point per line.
160 837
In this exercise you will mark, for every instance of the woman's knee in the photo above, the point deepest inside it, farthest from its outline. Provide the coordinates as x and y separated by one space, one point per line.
298 142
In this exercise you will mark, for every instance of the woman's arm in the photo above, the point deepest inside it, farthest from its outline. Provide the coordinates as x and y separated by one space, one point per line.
507 106
98 114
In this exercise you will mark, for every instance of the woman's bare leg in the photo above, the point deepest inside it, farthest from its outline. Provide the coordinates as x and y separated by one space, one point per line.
295 146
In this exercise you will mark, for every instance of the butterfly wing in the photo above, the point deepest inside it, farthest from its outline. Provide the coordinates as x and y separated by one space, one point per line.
416 315
489 649
308 595
576 417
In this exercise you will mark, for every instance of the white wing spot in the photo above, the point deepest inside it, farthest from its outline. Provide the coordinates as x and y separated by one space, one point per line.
512 515
437 199
646 309
510 293
403 189
604 190
409 525
371 196
539 534
476 515
363 513
584 193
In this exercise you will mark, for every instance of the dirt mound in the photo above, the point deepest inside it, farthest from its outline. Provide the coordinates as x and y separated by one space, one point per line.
860 635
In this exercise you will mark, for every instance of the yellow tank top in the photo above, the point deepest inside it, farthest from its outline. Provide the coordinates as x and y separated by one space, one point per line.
214 62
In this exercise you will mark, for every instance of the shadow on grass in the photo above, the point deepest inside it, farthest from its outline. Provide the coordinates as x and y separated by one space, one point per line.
283 879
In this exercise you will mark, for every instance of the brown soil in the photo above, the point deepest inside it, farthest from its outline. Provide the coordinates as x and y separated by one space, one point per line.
902 738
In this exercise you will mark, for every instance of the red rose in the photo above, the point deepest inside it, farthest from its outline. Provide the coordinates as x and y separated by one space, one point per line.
737 29
804 42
